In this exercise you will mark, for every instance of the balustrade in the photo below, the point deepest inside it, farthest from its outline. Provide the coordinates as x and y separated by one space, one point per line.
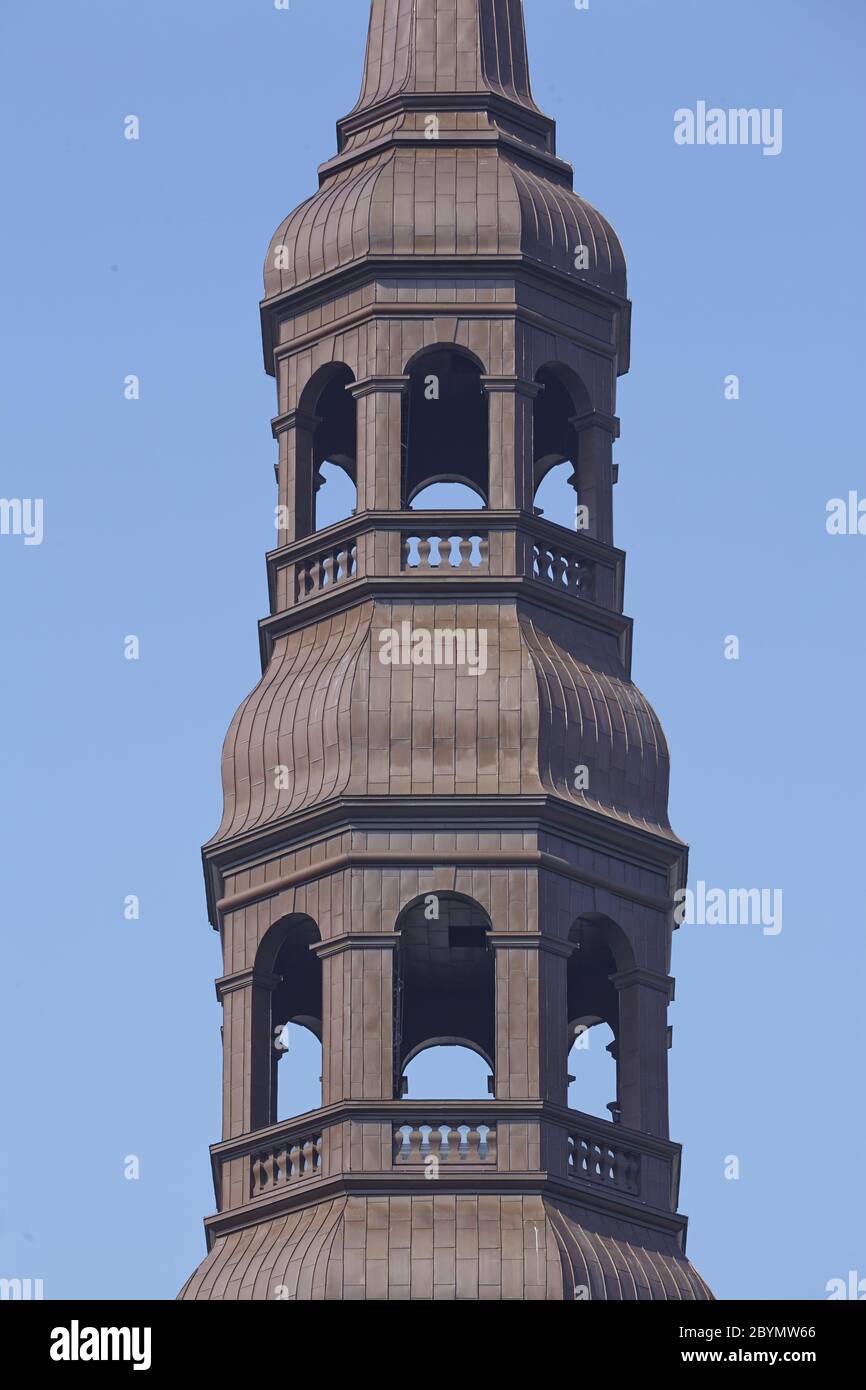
444 554
325 569
289 1162
601 1162
554 565
444 1143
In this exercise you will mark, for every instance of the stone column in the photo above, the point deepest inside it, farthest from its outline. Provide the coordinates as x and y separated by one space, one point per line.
358 1045
379 441
595 471
642 1049
249 1060
511 463
531 1039
358 1014
296 486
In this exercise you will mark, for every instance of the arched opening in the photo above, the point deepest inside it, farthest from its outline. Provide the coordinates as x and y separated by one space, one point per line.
447 497
444 995
562 398
447 1068
299 1071
336 496
600 950
444 435
556 496
330 455
295 1032
592 1072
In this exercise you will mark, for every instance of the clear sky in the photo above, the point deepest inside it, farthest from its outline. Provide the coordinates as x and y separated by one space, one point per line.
145 257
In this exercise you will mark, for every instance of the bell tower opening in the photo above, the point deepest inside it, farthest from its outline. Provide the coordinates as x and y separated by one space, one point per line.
444 985
562 398
592 1068
328 452
444 427
296 1023
593 1016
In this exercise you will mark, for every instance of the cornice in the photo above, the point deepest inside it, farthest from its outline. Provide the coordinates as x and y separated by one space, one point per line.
573 1192
480 588
570 287
540 815
243 979
539 860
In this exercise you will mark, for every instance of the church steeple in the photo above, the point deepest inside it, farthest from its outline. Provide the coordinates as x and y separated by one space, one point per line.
468 56
445 803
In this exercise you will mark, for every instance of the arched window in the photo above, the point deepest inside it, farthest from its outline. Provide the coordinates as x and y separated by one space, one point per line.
592 1068
593 1017
336 496
444 989
449 1069
296 1021
447 497
556 497
299 1071
444 435
327 452
562 399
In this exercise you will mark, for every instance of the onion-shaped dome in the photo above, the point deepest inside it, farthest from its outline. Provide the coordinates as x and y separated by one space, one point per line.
443 203
450 1248
445 154
338 722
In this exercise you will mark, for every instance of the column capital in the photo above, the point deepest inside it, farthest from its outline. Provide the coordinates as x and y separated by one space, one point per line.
245 979
294 420
530 941
518 385
356 941
595 420
379 385
649 979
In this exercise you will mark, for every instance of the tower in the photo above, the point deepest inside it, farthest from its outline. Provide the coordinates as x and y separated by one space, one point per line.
445 802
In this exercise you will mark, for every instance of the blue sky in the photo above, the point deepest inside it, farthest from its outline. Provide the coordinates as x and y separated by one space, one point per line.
145 257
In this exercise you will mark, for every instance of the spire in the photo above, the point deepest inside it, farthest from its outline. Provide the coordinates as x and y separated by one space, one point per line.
435 56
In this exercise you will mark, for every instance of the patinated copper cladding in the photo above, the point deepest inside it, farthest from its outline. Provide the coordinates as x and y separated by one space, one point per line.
424 841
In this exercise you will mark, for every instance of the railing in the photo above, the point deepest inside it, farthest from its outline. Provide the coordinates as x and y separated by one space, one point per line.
440 546
473 1146
290 1162
430 1143
564 569
606 1163
444 554
325 569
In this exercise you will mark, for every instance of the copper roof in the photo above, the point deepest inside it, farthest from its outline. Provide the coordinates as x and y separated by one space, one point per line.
340 723
449 1248
487 184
